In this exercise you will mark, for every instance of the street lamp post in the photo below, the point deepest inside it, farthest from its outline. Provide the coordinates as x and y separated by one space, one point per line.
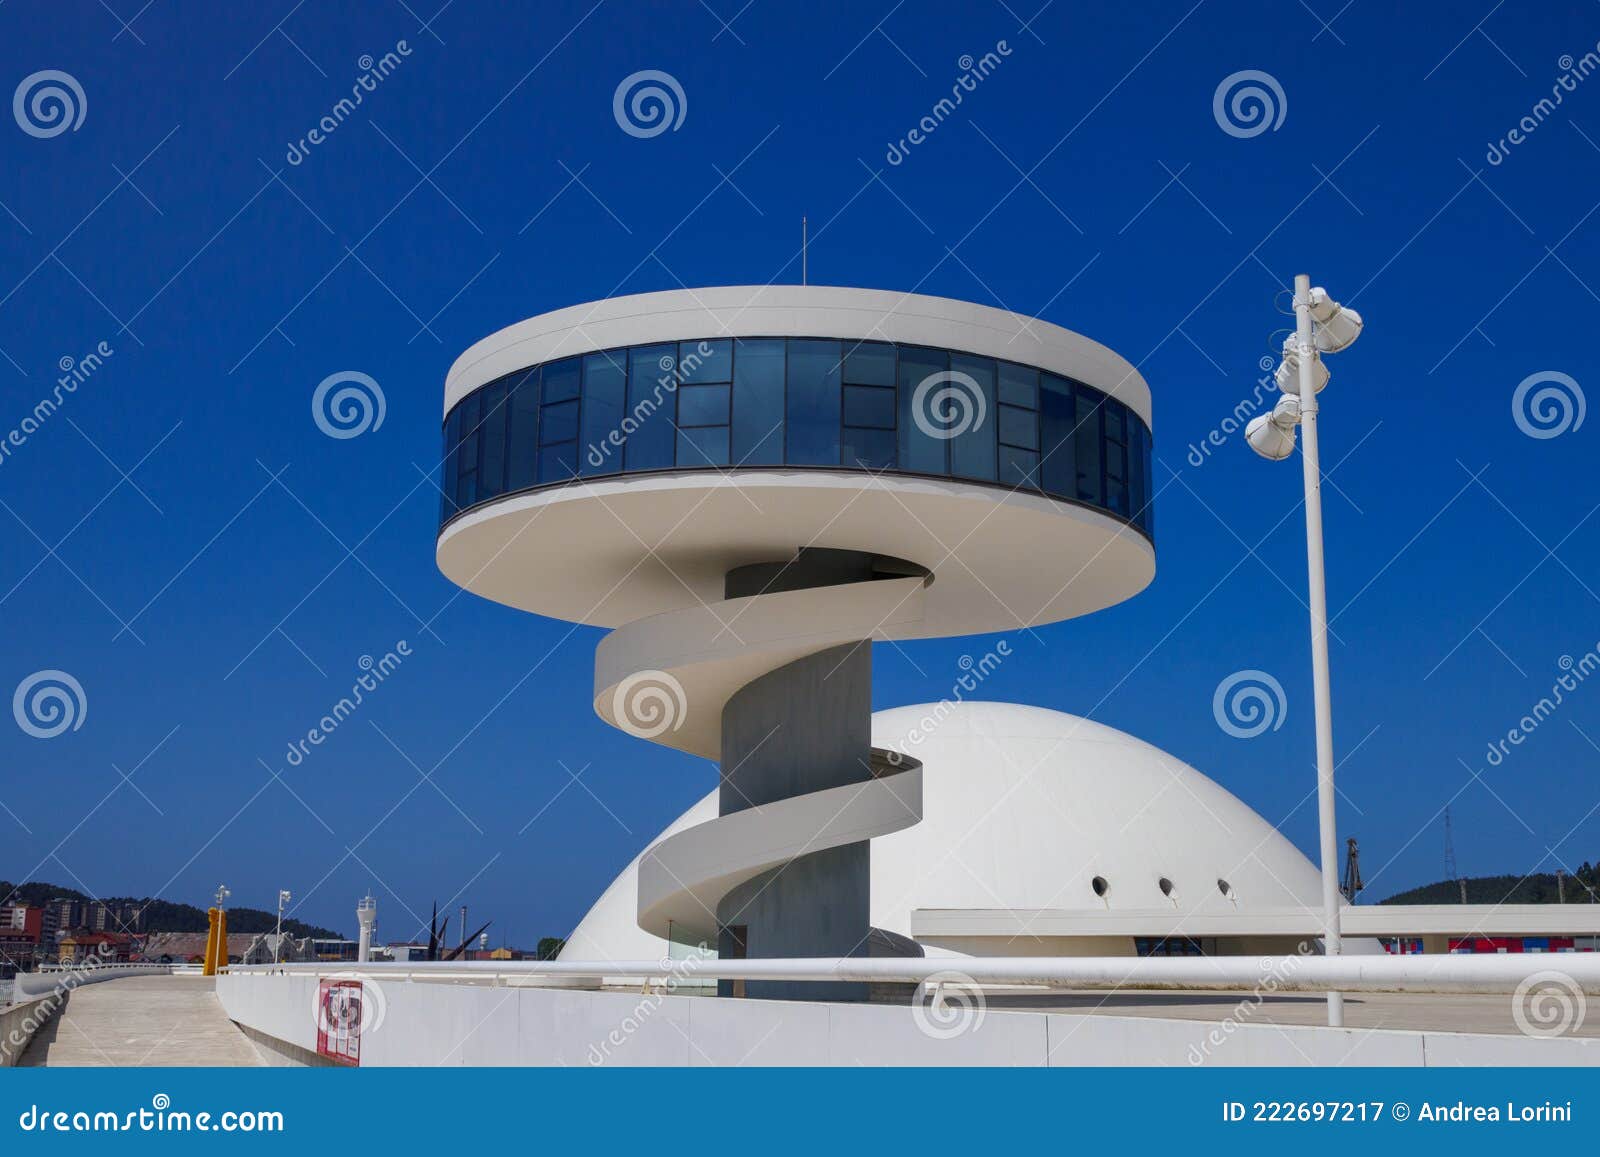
1321 325
277 940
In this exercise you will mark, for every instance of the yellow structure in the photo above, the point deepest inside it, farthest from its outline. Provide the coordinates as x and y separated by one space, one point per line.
213 927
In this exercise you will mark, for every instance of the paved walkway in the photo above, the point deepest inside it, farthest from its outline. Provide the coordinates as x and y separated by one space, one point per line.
142 1021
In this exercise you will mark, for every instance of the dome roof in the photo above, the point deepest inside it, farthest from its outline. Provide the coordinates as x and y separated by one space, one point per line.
1024 808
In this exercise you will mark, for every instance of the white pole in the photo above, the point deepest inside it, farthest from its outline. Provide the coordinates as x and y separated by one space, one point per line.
1326 829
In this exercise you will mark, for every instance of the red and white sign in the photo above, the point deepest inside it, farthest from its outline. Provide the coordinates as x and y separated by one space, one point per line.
339 1008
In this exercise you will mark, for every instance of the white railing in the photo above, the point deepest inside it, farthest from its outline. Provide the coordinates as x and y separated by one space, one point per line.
1439 973
57 977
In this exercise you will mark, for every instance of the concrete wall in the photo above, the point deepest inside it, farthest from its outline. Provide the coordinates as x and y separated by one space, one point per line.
412 1023
19 1023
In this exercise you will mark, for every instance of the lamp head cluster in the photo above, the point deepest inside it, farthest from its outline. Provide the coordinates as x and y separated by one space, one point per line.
1333 328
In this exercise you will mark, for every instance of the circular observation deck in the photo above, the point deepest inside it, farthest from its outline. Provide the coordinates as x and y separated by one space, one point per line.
616 460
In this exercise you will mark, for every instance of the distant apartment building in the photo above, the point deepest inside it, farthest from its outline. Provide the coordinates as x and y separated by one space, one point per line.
21 929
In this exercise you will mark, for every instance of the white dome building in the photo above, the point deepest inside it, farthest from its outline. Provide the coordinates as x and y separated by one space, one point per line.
1047 834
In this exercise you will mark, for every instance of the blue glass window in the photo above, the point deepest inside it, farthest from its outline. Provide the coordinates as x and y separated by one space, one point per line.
447 471
467 457
1058 417
872 449
822 402
921 450
703 446
1019 428
972 451
812 407
1086 440
869 406
492 467
1019 385
605 391
1019 467
562 379
705 361
703 405
522 442
758 368
560 423
652 406
869 363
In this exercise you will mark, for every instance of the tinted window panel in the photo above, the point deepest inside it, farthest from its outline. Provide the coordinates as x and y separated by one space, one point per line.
869 363
972 450
920 452
1019 467
467 458
561 380
758 368
872 449
869 406
560 423
492 460
812 406
652 406
706 361
1019 427
1058 415
703 446
447 469
605 390
558 461
702 405
523 439
1087 441
1019 385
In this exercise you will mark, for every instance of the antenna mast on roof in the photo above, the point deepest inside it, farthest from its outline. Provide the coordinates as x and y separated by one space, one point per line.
803 243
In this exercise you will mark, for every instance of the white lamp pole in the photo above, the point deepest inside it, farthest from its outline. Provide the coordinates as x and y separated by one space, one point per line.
1321 687
1321 324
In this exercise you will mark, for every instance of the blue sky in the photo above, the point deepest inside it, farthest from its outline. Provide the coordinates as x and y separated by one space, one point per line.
211 568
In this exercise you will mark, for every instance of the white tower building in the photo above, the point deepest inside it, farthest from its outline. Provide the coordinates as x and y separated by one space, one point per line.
752 484
367 917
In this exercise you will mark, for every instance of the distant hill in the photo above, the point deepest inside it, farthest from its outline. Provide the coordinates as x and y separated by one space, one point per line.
163 915
1539 888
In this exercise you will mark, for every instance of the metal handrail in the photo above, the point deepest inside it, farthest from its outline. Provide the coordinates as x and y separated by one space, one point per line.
1439 973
